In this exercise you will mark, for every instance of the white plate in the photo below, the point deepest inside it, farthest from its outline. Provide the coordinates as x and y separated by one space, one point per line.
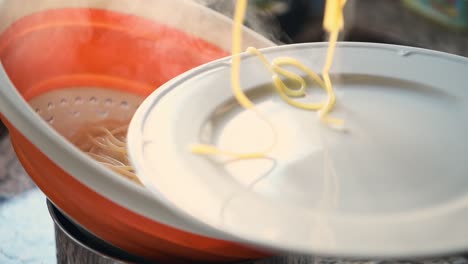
395 185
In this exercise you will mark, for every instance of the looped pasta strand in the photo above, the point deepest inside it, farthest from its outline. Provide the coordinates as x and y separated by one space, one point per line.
333 23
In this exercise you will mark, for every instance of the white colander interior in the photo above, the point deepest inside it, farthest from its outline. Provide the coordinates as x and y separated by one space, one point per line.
67 110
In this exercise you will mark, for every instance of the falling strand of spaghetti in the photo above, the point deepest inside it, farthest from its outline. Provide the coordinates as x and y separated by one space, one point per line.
240 96
333 23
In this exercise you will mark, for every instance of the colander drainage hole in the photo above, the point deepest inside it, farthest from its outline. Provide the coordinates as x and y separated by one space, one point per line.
76 113
108 102
50 120
63 101
102 113
124 104
93 100
38 110
78 100
50 105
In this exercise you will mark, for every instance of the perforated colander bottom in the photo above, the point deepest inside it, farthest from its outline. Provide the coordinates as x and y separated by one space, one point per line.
67 110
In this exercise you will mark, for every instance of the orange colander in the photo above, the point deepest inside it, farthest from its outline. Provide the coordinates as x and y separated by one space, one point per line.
70 62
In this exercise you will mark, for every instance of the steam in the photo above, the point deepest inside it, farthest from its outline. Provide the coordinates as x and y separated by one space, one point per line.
260 21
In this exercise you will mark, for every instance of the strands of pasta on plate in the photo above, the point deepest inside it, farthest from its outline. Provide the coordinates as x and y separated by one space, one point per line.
333 23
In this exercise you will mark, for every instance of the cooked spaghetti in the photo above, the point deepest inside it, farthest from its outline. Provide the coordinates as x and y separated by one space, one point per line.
333 23
106 143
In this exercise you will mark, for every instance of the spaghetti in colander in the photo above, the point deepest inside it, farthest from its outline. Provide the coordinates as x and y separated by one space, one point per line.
106 143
